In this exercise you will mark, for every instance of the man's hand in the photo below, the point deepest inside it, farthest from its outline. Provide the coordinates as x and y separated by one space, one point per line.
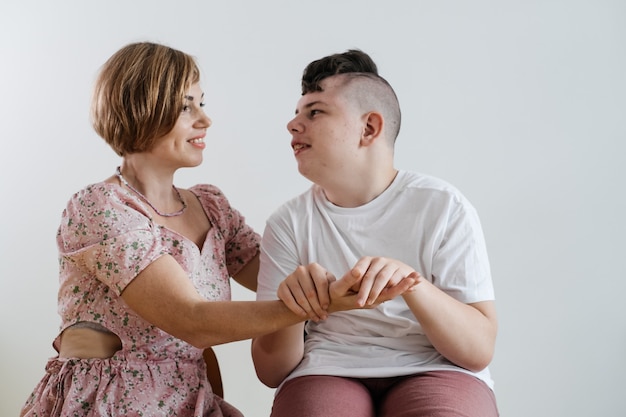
311 291
376 274
350 291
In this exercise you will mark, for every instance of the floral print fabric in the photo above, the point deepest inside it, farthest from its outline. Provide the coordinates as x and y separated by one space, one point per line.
105 239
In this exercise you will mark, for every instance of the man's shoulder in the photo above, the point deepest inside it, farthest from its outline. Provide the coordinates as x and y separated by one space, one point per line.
428 189
296 205
426 182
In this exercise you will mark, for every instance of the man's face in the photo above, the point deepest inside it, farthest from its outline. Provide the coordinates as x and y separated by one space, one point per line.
326 132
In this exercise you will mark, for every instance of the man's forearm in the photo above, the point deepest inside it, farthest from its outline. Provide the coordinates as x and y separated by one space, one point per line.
276 354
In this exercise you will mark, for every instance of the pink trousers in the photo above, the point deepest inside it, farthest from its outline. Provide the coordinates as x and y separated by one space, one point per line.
432 394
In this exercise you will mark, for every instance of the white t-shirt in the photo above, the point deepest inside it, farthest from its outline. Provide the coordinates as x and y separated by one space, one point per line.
419 220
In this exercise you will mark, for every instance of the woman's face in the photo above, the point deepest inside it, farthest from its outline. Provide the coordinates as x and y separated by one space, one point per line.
183 145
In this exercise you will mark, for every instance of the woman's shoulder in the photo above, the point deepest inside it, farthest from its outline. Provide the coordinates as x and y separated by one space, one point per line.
217 206
95 194
210 196
106 232
212 199
103 207
206 191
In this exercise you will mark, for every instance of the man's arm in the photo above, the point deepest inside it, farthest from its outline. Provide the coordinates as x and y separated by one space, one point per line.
465 334
455 307
276 354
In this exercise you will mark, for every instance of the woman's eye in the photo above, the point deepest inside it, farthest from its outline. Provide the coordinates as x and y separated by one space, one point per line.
186 108
202 104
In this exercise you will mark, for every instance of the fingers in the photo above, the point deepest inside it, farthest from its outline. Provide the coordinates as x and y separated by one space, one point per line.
342 295
377 274
348 284
407 283
305 291
322 285
311 291
285 294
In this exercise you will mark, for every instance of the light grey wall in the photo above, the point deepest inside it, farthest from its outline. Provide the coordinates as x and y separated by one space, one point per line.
520 104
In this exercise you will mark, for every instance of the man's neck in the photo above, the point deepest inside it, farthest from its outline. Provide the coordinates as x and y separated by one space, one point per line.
357 191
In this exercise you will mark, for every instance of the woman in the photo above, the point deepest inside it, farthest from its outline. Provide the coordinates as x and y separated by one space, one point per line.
144 265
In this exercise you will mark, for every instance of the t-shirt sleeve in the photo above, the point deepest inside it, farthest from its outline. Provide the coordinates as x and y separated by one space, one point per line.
241 242
279 256
461 265
106 237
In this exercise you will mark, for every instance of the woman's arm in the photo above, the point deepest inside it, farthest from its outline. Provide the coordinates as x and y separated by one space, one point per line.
247 277
163 295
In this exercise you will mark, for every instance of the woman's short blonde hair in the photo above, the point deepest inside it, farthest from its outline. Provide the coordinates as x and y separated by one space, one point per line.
139 95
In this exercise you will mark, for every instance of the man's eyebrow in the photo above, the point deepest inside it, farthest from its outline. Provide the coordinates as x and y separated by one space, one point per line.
311 104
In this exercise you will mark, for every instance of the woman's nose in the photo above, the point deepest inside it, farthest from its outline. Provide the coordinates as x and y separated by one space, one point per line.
205 120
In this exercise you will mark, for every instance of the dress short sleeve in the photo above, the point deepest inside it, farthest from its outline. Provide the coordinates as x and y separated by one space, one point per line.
108 236
241 242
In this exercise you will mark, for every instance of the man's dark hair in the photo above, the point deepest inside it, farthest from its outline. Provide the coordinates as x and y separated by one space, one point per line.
353 60
368 88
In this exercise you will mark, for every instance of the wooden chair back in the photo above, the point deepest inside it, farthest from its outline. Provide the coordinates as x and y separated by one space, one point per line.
213 371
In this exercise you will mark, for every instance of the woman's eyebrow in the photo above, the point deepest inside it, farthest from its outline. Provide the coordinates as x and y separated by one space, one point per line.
191 98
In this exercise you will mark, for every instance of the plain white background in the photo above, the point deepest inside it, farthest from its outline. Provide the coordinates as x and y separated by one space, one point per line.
520 104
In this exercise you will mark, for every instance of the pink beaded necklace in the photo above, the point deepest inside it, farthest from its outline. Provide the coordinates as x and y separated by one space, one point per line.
143 197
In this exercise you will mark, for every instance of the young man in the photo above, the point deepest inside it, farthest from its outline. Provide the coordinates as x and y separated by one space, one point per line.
426 351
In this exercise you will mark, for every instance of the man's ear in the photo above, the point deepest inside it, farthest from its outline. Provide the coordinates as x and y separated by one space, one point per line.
373 128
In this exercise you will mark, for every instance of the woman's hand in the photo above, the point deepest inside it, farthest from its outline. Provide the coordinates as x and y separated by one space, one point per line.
306 291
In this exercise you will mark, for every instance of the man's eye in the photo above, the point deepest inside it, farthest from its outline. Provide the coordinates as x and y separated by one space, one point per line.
314 112
202 104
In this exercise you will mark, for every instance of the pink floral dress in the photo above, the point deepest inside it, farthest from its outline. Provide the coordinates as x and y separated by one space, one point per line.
105 239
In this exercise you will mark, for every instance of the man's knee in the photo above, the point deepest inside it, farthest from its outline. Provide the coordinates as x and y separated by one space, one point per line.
323 396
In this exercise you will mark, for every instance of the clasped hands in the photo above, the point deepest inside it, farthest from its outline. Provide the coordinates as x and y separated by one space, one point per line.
312 291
